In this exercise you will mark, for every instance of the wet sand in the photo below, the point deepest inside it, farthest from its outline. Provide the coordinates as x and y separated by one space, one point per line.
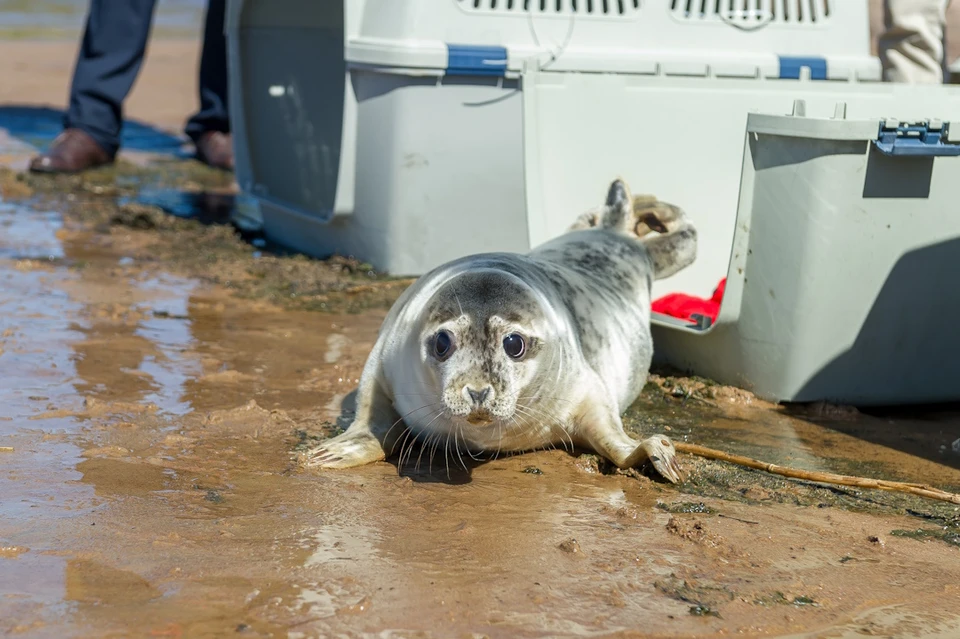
160 374
37 73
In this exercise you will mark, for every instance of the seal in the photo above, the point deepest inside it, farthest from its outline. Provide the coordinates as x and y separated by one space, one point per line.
503 352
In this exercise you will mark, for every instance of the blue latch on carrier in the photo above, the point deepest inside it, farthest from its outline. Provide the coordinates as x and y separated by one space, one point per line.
928 139
468 59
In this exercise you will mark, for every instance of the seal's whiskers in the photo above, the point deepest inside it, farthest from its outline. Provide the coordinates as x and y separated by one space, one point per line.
551 422
402 418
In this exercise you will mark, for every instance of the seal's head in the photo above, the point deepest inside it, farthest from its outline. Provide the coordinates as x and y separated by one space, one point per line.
484 340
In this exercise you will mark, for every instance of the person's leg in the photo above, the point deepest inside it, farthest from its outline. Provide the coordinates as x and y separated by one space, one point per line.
946 47
209 128
912 45
110 56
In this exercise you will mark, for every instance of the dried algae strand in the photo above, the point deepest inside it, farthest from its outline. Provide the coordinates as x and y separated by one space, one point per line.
921 490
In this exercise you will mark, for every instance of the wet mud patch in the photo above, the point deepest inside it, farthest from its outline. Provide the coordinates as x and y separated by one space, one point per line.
947 534
733 484
703 412
124 178
118 212
704 599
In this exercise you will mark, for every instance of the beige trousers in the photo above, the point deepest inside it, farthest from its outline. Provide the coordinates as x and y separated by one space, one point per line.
911 46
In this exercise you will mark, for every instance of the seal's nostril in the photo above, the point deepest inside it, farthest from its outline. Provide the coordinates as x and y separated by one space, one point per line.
478 396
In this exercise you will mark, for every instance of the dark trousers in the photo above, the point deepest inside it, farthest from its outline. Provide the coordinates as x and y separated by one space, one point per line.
111 54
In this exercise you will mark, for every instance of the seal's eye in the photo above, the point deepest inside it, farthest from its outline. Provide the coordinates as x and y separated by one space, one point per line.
514 345
442 344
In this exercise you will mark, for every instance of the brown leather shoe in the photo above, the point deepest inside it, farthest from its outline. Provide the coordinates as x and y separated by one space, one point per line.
72 151
216 149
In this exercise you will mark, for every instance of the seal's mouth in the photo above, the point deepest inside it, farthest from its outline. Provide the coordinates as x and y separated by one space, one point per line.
479 417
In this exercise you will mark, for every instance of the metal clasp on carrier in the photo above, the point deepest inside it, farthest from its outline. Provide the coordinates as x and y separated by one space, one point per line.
928 138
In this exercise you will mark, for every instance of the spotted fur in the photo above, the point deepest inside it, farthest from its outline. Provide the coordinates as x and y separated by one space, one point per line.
580 302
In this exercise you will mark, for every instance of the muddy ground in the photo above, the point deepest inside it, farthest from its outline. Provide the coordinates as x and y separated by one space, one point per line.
160 372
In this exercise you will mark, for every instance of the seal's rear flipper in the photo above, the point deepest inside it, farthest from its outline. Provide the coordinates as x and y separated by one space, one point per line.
670 237
653 215
617 214
613 214
673 251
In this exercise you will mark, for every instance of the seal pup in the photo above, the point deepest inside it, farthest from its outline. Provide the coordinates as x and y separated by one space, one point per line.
509 352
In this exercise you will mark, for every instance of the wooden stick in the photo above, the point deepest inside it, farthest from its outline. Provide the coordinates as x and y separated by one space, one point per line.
921 490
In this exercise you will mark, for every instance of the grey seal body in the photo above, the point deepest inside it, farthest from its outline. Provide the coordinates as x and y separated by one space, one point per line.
505 352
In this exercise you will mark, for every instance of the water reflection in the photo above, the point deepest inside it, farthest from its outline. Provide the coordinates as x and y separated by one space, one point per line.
35 325
38 373
207 207
29 234
167 327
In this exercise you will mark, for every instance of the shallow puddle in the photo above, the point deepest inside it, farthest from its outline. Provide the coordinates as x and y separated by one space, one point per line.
151 490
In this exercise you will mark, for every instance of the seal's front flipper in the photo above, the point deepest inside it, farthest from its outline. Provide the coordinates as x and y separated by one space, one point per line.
660 452
600 426
371 437
346 450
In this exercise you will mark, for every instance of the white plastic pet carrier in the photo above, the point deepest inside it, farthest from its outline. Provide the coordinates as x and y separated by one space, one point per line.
411 133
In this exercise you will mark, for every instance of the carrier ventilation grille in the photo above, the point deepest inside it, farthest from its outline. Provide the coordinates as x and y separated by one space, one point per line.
750 12
610 8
